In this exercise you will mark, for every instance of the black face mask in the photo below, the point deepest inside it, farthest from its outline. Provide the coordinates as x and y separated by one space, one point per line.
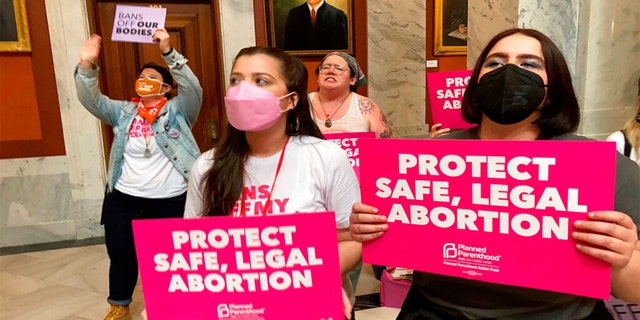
509 94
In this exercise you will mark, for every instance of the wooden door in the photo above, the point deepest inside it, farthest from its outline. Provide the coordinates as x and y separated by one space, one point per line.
194 33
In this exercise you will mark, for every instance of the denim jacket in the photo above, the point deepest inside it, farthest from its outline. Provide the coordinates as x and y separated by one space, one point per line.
172 127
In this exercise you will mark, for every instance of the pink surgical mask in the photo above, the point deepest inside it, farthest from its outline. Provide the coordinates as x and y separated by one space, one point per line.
251 108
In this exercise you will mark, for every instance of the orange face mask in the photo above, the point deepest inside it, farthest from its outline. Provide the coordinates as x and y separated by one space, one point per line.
146 87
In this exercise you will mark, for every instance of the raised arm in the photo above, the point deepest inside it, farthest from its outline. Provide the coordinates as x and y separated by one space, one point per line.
189 98
87 84
90 51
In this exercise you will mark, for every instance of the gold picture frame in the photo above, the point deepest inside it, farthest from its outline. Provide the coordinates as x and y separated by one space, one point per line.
293 37
450 27
14 36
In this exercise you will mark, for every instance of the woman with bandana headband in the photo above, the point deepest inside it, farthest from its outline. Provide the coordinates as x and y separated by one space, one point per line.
151 155
336 107
521 89
628 139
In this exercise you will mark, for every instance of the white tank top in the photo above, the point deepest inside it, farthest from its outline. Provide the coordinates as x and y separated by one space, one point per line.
352 121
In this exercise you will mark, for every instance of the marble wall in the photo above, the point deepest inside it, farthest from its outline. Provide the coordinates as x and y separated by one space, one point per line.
238 30
58 198
608 64
485 19
52 199
396 59
599 39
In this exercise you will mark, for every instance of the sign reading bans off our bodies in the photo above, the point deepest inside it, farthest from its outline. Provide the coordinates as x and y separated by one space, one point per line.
258 268
137 24
494 211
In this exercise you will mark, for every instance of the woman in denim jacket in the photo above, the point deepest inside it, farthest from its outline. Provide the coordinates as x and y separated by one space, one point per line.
151 154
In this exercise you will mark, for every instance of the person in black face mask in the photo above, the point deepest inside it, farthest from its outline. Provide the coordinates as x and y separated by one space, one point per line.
521 89
628 139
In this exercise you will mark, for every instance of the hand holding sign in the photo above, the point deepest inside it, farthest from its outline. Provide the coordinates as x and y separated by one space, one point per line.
365 223
436 131
161 36
608 235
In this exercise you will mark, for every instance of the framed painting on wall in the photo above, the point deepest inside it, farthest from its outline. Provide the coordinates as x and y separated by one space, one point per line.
14 26
296 26
450 27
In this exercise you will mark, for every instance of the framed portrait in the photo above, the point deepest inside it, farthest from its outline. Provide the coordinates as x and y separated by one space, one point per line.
14 26
450 27
302 30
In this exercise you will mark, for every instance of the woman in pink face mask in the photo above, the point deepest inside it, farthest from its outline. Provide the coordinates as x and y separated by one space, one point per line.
274 146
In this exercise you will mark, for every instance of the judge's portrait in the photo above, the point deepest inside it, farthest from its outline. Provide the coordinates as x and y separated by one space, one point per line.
312 25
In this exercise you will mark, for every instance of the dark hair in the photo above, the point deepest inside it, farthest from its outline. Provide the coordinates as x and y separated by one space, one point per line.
164 72
352 73
224 181
561 113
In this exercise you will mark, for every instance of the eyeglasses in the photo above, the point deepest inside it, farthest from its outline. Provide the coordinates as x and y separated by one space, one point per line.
338 68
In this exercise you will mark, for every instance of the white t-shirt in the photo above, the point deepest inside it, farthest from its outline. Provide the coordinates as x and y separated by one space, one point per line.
315 176
619 139
154 177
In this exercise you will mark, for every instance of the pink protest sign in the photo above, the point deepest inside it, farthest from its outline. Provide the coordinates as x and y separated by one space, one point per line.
137 23
257 268
494 211
348 141
445 96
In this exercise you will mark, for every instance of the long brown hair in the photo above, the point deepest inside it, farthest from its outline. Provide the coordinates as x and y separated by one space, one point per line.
224 180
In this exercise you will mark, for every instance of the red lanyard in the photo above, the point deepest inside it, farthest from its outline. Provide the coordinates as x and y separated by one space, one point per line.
268 203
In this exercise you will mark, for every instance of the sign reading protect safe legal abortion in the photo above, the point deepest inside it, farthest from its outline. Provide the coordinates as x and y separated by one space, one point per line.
257 268
445 96
348 141
137 24
494 211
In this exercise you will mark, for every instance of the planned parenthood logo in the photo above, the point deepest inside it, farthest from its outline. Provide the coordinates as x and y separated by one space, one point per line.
473 260
240 311
223 311
449 251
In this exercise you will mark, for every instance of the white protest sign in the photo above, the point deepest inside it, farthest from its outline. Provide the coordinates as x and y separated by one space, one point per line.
137 24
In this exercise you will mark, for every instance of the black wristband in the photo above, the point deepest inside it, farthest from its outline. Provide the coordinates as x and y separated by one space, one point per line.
168 52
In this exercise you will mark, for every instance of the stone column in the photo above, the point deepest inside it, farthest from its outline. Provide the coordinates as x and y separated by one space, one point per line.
599 39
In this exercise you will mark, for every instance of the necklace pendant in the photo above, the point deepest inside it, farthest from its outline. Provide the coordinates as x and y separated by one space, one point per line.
327 123
147 153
